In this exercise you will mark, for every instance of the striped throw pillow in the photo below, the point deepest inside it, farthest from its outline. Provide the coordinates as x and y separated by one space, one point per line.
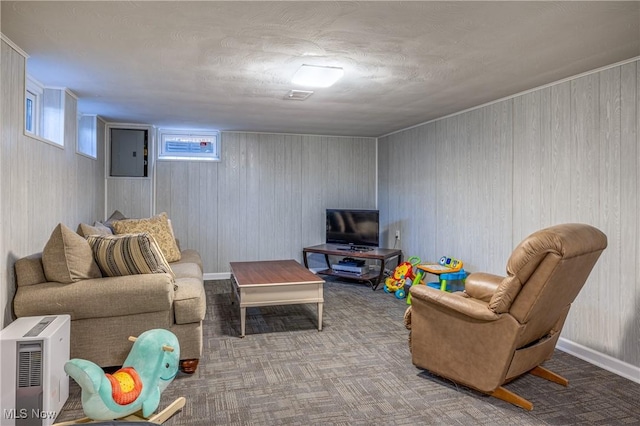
128 254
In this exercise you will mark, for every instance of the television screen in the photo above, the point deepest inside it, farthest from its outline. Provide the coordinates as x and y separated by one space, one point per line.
353 227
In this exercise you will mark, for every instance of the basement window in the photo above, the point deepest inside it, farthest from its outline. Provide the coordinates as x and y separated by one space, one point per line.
186 145
87 143
33 99
44 112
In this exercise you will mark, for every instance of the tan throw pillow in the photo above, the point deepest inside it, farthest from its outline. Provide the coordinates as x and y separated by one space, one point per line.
158 227
128 254
67 257
86 230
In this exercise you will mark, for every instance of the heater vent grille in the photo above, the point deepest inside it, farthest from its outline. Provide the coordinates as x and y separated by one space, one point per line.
29 365
298 95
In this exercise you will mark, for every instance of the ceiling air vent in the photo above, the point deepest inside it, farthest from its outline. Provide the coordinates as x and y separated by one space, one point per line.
298 95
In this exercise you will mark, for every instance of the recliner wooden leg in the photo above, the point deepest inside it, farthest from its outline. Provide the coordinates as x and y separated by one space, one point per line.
512 398
549 375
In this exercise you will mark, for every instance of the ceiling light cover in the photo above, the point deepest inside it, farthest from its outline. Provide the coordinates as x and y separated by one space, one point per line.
317 76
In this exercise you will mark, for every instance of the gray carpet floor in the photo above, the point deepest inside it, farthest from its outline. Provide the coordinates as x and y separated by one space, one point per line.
358 371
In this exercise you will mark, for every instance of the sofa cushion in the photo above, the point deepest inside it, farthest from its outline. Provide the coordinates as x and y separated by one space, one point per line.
129 254
189 302
158 227
67 257
104 297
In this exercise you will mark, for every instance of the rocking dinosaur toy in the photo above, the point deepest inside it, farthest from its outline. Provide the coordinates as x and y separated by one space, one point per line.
150 367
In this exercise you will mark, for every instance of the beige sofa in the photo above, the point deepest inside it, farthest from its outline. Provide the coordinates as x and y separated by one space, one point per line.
106 311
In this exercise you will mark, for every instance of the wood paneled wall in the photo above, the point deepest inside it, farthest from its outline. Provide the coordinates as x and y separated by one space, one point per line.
266 199
130 196
42 184
475 184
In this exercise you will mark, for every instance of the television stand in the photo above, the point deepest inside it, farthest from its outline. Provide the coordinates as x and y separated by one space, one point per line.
355 248
381 255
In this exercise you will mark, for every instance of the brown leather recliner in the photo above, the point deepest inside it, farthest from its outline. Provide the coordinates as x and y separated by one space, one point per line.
502 327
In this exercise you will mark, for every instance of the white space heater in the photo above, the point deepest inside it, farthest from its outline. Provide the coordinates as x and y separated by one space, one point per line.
34 384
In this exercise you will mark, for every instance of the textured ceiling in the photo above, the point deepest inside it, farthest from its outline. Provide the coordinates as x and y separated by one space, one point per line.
228 65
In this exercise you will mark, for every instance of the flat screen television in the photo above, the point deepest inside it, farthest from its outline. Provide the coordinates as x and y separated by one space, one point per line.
355 228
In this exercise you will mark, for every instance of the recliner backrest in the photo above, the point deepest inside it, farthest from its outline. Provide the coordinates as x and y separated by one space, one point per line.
545 274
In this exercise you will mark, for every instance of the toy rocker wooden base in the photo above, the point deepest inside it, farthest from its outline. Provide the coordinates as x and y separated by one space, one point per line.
133 392
157 418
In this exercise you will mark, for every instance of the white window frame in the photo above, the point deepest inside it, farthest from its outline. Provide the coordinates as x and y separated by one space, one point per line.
166 136
34 94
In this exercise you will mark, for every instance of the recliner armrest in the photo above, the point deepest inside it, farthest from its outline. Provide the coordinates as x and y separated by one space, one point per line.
482 286
466 306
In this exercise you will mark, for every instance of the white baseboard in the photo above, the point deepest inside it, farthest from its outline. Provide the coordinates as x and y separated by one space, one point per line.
216 276
601 360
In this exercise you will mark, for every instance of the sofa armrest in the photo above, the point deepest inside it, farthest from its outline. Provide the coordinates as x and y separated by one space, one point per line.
190 301
97 298
453 302
29 270
482 286
190 258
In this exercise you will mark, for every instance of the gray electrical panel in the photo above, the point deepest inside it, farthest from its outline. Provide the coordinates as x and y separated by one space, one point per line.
129 149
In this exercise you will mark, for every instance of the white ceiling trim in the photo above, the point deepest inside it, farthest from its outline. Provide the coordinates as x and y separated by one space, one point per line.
13 45
506 98
299 134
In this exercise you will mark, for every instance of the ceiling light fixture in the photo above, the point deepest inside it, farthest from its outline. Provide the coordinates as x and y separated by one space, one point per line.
317 76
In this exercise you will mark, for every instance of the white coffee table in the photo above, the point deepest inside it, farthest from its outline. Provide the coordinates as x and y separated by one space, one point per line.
275 282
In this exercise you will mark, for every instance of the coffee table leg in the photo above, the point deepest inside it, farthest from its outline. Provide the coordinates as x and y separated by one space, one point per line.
243 314
320 316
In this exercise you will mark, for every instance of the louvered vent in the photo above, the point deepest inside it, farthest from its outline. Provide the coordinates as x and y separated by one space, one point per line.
298 95
29 364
